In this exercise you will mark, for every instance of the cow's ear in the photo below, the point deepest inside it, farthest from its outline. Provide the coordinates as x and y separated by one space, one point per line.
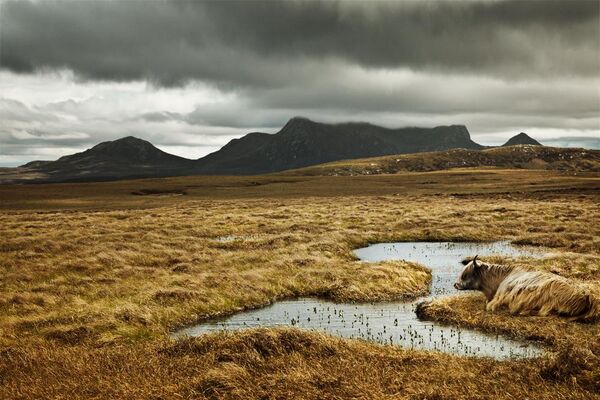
466 261
475 262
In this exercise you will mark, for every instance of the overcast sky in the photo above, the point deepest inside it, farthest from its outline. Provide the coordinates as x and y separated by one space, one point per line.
189 75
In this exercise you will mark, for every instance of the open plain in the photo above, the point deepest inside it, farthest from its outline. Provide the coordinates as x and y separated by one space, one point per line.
94 277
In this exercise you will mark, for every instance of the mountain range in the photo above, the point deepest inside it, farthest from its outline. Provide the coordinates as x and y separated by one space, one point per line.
300 143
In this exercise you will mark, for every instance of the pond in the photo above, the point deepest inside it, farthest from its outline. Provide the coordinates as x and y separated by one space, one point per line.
393 323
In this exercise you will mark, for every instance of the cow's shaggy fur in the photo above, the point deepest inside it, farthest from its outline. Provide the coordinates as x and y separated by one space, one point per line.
528 292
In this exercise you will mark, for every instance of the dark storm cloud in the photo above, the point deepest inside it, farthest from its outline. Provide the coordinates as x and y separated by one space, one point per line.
269 44
219 69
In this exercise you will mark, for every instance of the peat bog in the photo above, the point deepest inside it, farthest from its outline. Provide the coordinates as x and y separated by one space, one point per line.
393 323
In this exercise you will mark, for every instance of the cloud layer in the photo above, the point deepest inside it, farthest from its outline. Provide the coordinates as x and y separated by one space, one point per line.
265 43
195 74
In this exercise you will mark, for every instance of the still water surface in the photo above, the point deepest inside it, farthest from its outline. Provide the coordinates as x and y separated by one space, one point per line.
392 323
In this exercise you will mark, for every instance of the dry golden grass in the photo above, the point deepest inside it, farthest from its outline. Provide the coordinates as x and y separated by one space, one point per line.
93 279
288 185
576 345
272 364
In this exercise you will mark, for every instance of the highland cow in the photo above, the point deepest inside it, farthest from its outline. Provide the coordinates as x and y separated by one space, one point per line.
527 292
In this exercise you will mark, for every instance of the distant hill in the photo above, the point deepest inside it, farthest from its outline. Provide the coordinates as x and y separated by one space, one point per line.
521 156
128 157
521 138
302 142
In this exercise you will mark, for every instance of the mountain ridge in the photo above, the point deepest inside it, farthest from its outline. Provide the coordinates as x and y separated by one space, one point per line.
303 142
300 143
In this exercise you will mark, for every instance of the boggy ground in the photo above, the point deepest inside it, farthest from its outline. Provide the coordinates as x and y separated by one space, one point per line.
273 364
93 280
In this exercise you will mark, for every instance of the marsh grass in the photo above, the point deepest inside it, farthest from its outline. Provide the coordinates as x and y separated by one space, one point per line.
94 280
575 346
270 364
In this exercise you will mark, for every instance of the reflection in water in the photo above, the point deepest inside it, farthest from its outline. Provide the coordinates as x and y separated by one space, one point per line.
391 323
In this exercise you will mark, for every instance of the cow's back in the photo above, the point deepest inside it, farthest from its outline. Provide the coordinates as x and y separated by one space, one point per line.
543 293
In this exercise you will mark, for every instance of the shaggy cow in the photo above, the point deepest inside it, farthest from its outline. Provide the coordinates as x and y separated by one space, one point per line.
528 292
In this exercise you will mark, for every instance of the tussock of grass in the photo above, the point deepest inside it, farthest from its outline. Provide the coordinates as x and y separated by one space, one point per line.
576 346
469 311
272 363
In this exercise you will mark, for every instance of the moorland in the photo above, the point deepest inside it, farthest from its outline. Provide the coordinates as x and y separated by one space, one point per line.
96 275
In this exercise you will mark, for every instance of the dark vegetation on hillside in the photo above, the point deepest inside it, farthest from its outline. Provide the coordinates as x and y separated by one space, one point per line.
522 156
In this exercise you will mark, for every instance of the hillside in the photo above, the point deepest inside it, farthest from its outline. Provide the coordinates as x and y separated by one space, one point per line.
128 157
302 142
521 156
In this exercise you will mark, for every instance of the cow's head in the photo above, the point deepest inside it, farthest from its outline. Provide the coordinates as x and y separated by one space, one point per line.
470 279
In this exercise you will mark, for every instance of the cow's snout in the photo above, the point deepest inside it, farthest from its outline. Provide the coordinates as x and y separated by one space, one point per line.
457 285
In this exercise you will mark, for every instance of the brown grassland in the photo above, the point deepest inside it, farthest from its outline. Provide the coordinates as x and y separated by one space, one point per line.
95 276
